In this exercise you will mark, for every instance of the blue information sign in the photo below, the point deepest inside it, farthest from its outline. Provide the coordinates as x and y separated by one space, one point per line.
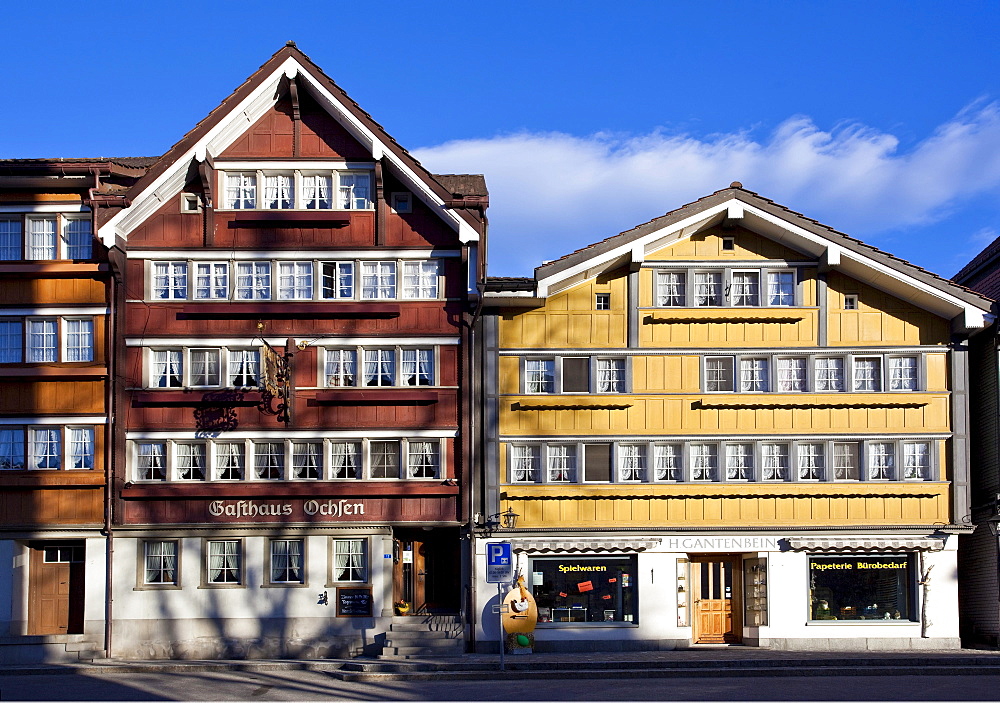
499 562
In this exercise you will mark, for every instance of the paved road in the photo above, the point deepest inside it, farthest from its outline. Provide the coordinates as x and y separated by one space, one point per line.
311 685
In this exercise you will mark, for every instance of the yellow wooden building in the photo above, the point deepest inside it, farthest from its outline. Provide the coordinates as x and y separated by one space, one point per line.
731 424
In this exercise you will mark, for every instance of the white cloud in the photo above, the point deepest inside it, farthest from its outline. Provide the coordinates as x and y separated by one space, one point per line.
552 193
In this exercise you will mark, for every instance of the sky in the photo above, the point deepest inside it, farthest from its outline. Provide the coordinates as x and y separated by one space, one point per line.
879 119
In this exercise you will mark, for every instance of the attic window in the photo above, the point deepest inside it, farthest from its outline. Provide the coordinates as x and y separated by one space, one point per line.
319 190
402 202
190 202
850 302
728 244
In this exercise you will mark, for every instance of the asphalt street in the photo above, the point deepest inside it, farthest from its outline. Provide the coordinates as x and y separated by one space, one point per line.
314 685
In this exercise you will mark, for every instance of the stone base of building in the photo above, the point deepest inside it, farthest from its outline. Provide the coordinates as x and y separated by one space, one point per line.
855 644
50 649
575 645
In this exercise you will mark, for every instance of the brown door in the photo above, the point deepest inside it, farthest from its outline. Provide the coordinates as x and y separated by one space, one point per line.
716 604
426 567
56 588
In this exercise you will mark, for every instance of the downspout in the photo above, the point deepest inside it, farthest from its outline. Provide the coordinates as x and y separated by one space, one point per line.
111 358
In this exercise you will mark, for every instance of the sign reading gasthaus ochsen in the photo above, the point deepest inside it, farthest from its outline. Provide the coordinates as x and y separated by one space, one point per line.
265 509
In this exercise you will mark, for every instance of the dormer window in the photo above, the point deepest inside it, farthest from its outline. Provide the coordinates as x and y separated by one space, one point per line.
296 190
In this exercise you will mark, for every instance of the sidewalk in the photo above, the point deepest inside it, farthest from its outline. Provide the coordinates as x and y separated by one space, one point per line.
697 661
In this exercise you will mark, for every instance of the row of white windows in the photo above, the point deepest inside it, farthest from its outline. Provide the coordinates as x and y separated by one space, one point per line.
46 447
224 562
215 367
698 461
48 237
735 288
287 460
295 190
46 339
744 374
295 280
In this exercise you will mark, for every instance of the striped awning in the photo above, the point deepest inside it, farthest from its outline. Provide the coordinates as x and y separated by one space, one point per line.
867 544
566 546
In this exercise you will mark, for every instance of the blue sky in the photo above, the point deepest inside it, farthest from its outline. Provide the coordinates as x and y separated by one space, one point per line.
880 119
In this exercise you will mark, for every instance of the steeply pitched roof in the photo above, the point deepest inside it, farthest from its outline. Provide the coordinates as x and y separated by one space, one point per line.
982 274
463 183
292 59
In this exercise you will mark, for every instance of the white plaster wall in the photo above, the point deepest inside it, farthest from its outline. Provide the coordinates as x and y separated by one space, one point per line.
95 577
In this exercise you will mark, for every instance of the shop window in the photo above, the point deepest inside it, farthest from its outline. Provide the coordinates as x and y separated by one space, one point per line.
854 588
585 589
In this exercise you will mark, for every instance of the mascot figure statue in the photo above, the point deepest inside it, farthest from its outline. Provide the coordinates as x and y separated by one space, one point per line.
519 619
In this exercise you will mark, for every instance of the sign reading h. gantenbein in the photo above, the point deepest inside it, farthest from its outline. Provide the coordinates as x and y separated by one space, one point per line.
721 544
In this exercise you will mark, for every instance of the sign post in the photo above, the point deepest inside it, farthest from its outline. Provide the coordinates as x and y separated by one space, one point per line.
499 570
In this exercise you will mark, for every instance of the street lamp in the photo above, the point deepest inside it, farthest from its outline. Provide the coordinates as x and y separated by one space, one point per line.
507 520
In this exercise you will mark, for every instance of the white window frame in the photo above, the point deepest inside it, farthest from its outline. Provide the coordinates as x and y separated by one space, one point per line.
218 280
355 553
524 460
235 547
169 280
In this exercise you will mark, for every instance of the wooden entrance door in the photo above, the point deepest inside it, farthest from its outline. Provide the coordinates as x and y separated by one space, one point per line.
56 588
716 604
426 570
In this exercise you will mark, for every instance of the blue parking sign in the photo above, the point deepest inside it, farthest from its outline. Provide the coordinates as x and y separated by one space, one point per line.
499 562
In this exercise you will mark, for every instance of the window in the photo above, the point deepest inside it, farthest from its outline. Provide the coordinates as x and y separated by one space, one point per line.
881 461
845 461
244 368
576 374
728 244
791 375
190 460
190 202
704 462
422 459
775 462
354 190
916 460
241 191
384 459
42 238
12 449
861 588
597 463
152 464
345 460
602 301
708 288
229 461
539 376
338 279
225 562
81 447
668 462
811 462
378 280
340 367
350 562
380 367
77 240
205 367
211 281
279 192
754 376
79 340
170 280
719 373
562 463
42 340
11 342
307 461
295 280
746 288
317 192
868 374
420 279
160 562
670 288
286 561
417 367
253 280
585 589
850 302
269 460
45 448
739 462
830 375
781 288
524 461
10 240
903 373
402 203
168 369
611 375
49 237
631 463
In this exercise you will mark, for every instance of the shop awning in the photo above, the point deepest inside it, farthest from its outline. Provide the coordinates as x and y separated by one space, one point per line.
867 544
570 546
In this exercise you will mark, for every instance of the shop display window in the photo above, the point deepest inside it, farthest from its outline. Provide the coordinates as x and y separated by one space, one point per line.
856 588
585 589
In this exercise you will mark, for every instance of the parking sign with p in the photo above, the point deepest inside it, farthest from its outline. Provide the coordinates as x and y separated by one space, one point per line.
499 564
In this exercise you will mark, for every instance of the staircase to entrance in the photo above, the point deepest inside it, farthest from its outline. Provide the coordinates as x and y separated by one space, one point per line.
424 636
